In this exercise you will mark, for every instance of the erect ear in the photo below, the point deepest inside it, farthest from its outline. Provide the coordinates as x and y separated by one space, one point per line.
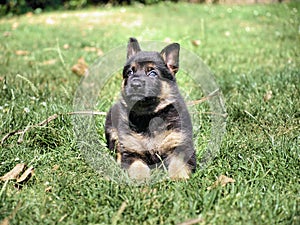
133 47
170 55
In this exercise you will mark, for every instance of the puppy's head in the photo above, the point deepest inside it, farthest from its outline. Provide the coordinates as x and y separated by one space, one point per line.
148 76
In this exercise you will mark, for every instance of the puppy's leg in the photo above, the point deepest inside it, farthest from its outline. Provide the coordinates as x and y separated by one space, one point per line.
178 169
139 170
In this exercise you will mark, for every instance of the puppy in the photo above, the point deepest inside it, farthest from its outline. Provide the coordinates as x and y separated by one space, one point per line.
150 127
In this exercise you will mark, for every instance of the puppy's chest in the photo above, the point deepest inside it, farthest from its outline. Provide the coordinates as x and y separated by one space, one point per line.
159 142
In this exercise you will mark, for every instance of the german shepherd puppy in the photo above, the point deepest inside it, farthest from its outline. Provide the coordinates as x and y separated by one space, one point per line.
150 127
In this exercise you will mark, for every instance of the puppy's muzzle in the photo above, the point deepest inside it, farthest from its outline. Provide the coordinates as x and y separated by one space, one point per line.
137 84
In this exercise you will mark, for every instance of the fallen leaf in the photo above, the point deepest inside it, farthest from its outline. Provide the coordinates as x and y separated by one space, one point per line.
80 68
221 181
7 34
29 14
100 52
14 173
26 175
55 167
94 49
66 46
15 25
5 221
196 42
48 189
90 49
268 96
22 52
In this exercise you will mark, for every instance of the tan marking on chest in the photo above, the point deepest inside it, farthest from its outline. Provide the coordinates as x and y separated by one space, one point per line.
162 143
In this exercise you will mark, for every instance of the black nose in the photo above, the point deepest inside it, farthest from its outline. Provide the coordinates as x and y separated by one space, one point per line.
136 83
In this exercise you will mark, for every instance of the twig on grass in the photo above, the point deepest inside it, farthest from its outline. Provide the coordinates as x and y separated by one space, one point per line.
45 122
55 116
119 213
206 98
192 221
87 113
216 114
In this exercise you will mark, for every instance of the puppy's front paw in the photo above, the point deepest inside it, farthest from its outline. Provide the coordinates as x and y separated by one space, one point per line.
178 170
139 171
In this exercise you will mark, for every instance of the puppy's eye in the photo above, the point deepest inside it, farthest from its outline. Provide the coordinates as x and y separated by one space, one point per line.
129 72
152 73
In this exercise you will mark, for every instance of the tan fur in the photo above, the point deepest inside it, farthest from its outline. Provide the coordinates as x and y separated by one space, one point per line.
119 158
172 140
138 170
161 143
166 97
150 66
178 168
113 133
133 142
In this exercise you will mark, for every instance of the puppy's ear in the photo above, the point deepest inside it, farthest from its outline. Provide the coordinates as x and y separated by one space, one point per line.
133 47
170 55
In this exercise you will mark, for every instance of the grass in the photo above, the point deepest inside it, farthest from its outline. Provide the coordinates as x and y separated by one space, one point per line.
251 50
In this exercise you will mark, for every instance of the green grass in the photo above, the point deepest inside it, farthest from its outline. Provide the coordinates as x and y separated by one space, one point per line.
251 50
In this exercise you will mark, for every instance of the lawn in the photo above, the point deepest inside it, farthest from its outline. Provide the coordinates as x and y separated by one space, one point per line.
253 52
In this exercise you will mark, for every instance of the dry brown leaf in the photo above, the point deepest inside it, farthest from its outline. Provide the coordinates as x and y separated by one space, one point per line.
7 34
5 221
26 175
14 173
80 68
55 167
268 96
90 49
221 181
94 49
15 25
29 14
196 42
100 52
48 189
66 46
22 52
